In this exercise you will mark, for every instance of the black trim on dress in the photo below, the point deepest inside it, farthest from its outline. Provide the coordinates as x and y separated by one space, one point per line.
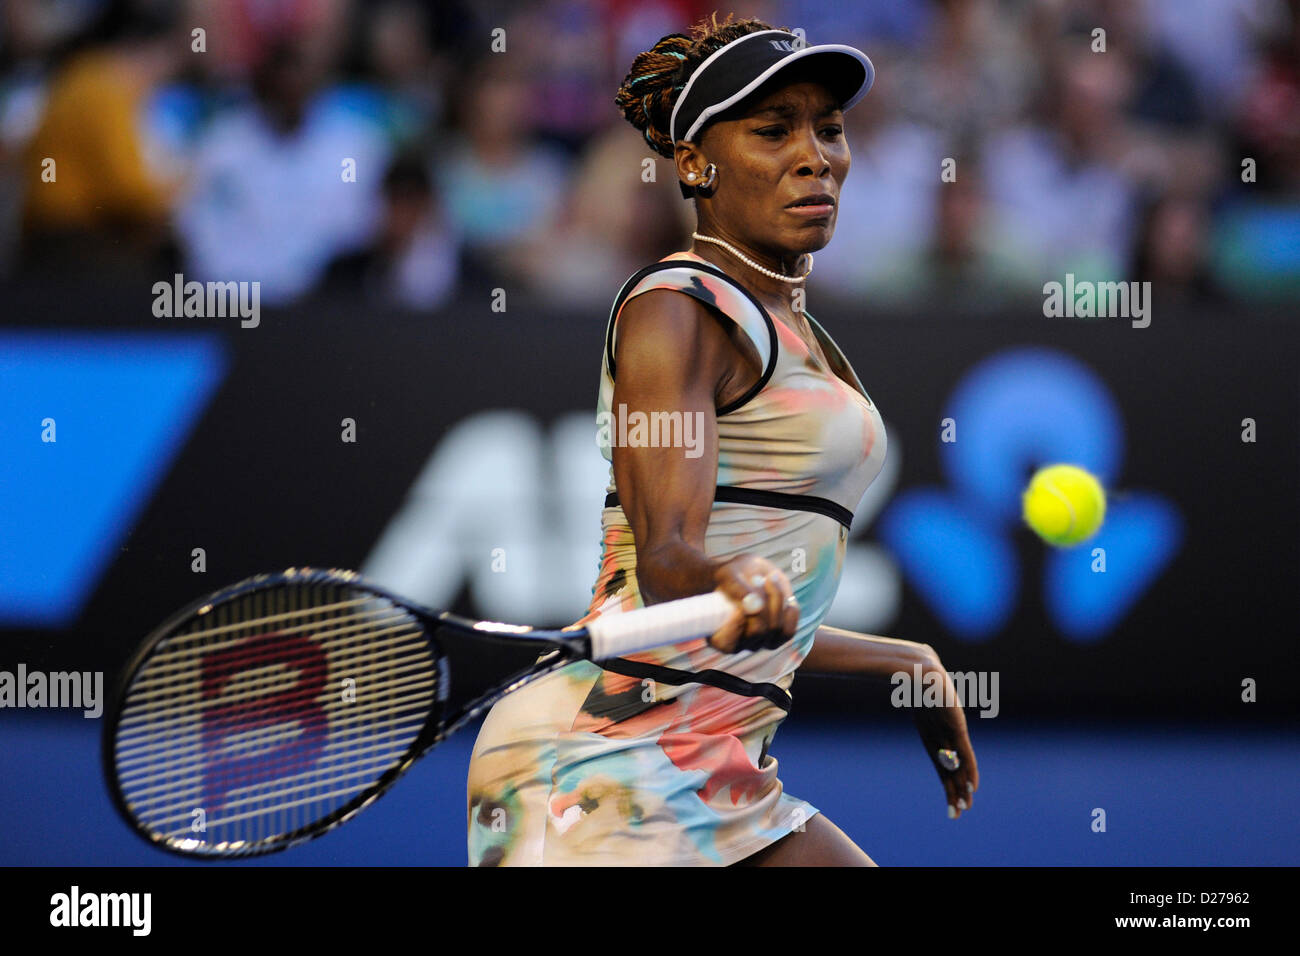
719 679
718 273
771 499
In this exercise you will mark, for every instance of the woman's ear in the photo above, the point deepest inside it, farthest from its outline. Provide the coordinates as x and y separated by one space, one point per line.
690 163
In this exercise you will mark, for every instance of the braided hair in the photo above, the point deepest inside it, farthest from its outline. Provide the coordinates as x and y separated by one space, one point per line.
658 76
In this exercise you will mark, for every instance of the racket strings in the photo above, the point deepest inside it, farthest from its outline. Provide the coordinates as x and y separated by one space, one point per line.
146 748
268 673
145 779
367 769
160 723
270 713
178 658
266 621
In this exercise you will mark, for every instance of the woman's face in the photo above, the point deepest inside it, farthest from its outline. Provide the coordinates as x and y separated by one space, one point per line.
784 146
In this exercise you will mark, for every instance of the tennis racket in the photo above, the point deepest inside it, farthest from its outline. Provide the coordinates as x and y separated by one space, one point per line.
270 712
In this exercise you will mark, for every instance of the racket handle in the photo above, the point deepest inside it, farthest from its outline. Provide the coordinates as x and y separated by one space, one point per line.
613 635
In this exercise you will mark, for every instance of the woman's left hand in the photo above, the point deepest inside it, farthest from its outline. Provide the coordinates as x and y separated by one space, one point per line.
944 729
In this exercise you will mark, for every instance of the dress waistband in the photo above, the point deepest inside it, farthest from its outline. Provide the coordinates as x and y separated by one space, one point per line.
721 679
771 499
714 678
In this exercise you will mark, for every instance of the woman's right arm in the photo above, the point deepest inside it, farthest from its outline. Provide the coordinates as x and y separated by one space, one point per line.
672 355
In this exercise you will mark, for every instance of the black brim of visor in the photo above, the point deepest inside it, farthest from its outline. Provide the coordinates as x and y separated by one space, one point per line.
745 65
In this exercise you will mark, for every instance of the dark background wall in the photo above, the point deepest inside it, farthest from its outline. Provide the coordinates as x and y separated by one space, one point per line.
261 479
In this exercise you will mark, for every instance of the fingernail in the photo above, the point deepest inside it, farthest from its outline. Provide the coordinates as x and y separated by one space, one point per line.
961 804
970 787
952 812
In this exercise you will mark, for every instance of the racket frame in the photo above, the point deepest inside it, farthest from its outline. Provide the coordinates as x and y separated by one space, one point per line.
567 647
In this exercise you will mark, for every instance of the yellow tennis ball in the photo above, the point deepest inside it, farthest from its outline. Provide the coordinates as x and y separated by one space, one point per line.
1064 504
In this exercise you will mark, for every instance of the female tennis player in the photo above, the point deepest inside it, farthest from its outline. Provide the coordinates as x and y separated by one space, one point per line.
664 758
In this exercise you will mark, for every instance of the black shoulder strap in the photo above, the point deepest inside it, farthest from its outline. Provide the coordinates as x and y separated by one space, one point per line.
636 278
719 679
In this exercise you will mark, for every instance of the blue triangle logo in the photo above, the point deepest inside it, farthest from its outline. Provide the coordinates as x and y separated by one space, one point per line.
119 406
964 568
1141 535
956 544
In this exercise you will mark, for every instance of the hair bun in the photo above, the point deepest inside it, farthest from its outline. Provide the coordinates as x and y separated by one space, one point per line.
658 76
649 90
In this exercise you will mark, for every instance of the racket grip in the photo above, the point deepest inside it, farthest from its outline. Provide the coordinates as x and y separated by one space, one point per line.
613 635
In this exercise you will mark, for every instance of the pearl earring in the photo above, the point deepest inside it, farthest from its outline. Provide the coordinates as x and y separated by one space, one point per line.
690 176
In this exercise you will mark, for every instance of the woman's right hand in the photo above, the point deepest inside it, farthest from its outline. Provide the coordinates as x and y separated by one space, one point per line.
776 618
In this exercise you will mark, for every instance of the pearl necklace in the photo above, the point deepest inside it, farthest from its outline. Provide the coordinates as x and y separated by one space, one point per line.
754 265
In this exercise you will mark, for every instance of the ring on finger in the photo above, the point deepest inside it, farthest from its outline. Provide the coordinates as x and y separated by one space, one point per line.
792 601
948 759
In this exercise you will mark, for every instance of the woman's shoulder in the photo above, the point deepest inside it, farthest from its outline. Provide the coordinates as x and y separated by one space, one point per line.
698 278
706 293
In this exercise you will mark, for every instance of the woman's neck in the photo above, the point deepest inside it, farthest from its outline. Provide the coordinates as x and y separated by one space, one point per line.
765 288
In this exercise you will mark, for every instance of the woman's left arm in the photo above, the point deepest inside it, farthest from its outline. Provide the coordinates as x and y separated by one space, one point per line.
841 652
837 651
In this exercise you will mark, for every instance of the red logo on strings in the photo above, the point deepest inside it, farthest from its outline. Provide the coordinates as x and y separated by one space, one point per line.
292 705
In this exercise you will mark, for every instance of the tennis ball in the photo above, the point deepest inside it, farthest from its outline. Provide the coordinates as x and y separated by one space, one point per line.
1064 504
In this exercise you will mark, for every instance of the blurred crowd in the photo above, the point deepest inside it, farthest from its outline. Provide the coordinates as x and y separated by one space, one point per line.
403 150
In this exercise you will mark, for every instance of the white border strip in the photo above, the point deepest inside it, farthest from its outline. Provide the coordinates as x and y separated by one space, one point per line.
672 122
779 65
